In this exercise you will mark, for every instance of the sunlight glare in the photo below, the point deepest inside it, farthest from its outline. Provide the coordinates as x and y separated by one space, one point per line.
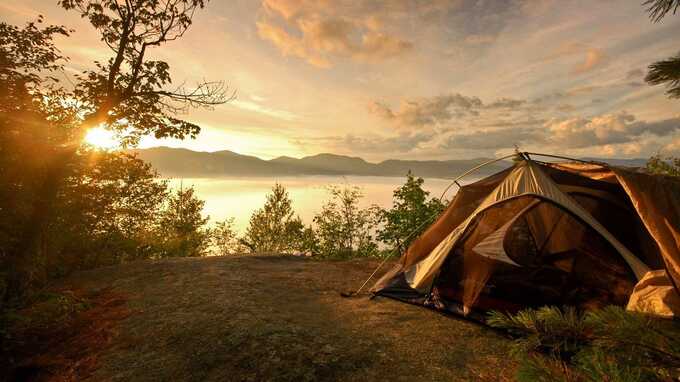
101 138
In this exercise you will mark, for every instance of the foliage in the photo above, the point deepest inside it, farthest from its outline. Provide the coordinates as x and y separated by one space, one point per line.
410 215
224 239
60 208
665 71
610 344
181 227
664 166
659 8
274 228
129 92
343 229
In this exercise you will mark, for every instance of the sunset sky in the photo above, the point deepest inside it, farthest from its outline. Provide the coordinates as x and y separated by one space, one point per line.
441 79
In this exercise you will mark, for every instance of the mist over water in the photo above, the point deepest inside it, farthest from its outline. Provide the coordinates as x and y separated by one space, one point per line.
240 197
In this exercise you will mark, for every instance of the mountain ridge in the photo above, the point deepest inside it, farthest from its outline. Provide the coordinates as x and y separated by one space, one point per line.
180 162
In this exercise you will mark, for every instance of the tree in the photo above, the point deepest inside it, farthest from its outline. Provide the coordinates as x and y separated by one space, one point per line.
105 213
274 228
128 93
665 166
344 229
225 239
410 215
665 71
182 229
33 124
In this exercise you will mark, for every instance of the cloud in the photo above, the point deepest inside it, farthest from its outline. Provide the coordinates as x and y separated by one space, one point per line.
606 129
428 111
321 31
569 133
401 143
635 74
588 57
258 108
594 58
506 103
490 139
480 39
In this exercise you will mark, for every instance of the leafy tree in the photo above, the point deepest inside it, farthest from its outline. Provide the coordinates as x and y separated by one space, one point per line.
182 229
34 123
665 71
274 228
129 93
225 239
665 166
106 212
410 215
344 229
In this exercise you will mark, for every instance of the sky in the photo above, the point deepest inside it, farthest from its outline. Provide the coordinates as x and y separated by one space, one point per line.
411 79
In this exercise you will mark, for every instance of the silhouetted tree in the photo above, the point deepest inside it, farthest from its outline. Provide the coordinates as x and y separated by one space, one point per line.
129 93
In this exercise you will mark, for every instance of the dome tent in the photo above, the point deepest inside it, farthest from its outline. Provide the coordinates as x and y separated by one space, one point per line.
538 233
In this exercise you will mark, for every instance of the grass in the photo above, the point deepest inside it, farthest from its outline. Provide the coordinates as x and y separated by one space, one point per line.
275 318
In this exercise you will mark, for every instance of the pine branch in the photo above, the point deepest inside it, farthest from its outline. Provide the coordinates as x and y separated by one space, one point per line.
666 72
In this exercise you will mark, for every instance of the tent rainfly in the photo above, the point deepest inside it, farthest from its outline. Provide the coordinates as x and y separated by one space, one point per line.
538 233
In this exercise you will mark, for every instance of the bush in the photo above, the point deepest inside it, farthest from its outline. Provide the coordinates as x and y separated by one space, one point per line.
610 344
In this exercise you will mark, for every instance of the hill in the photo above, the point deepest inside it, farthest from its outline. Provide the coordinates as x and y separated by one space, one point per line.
187 163
177 162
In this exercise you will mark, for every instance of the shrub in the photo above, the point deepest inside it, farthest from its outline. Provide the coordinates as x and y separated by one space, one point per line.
610 344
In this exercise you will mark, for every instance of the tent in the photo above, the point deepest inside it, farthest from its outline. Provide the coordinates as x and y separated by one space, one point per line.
582 234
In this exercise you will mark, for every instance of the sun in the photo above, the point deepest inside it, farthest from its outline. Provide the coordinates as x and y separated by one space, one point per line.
102 138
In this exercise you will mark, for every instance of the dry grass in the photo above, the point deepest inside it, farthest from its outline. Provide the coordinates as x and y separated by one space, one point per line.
279 318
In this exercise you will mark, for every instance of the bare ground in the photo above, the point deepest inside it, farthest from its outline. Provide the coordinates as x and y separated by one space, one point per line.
278 318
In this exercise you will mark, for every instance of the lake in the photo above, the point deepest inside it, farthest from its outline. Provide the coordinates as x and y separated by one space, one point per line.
240 197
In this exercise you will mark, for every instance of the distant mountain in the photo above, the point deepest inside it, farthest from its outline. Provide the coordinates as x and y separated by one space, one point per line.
186 163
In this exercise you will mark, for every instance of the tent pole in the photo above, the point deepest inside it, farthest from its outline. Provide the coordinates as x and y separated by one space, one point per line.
470 171
603 164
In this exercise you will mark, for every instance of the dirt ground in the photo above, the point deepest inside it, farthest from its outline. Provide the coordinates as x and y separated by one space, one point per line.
279 318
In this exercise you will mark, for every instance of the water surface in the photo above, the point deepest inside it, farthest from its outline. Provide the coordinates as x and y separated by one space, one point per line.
240 197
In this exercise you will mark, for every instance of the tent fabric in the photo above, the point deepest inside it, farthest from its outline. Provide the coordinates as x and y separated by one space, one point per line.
655 294
525 179
654 197
656 201
595 224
